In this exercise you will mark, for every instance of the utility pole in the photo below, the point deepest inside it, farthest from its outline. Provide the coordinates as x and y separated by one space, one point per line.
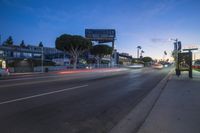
42 58
176 56
0 39
112 59
138 51
177 50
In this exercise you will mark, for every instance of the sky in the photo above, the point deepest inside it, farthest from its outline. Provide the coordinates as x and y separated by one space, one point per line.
148 23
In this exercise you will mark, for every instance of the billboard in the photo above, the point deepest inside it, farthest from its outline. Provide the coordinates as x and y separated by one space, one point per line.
184 61
100 35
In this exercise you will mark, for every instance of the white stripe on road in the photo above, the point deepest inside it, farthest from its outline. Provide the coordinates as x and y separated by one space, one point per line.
40 95
36 82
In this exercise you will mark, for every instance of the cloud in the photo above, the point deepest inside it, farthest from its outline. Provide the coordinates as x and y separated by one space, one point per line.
160 7
159 40
17 4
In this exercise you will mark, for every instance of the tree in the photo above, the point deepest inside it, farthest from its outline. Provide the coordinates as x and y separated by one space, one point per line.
40 44
22 44
8 42
147 59
74 45
174 55
101 50
142 51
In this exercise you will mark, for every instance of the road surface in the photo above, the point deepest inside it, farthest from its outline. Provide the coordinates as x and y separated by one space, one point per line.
90 102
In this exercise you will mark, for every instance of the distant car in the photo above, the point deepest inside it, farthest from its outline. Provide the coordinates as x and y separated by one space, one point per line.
89 67
166 64
157 66
136 66
196 64
81 66
4 72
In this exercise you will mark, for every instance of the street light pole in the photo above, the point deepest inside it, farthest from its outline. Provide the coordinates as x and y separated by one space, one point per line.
42 66
176 56
0 39
138 51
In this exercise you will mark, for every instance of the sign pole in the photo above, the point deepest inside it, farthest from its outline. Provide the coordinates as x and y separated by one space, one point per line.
190 64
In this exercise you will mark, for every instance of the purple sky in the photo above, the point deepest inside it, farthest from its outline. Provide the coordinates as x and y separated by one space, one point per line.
149 23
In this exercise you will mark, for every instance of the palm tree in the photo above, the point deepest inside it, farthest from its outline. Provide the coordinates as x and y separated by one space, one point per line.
142 51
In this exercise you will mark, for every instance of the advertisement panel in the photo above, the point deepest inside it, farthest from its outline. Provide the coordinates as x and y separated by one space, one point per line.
184 61
100 35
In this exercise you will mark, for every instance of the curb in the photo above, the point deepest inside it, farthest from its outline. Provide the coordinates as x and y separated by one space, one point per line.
132 122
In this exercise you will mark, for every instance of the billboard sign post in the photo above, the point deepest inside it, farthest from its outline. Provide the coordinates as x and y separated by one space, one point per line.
102 36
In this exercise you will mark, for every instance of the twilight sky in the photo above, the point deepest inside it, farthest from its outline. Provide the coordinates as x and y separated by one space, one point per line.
149 23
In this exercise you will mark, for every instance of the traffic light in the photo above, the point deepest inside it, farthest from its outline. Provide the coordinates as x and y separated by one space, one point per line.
179 45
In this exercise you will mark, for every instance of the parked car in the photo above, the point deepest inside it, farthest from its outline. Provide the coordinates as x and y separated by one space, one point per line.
157 66
4 72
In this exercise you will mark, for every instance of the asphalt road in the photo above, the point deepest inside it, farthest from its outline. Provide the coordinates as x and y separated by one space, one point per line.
91 102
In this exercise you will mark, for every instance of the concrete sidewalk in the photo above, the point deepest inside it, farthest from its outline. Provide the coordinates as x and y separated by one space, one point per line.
178 107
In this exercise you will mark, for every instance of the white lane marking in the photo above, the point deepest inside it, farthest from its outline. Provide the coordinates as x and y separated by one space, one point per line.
40 95
40 81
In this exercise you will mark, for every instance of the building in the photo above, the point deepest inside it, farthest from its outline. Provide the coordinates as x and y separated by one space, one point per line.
25 58
124 58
